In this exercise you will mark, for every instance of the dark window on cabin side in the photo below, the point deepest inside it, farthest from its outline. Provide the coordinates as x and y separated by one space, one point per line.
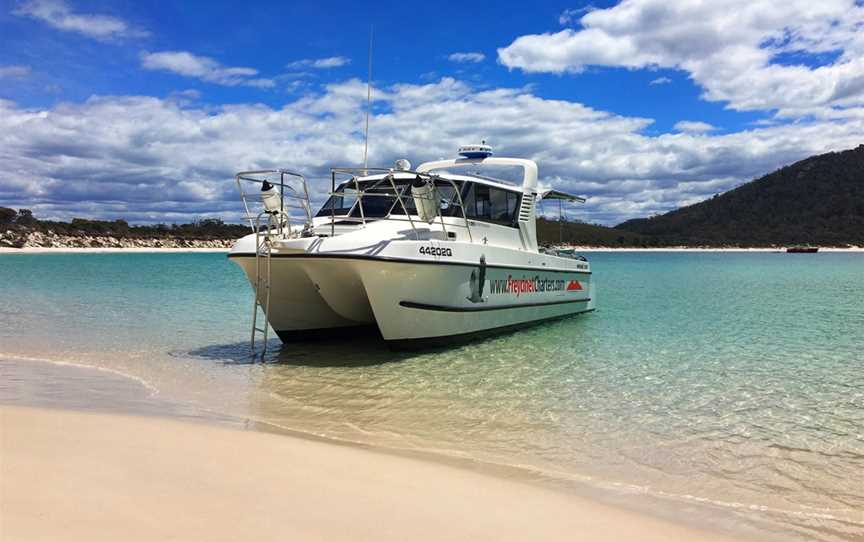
490 204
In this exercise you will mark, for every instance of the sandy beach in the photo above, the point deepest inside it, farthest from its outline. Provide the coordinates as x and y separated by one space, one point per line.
92 476
87 455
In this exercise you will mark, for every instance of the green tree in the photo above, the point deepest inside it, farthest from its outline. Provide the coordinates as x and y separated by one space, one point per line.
7 215
25 217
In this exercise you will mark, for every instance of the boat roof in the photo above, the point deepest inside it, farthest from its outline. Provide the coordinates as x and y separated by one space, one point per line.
479 179
529 173
557 194
529 167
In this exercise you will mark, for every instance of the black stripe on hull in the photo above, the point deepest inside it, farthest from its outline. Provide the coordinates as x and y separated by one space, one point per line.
444 308
327 334
407 260
464 338
289 336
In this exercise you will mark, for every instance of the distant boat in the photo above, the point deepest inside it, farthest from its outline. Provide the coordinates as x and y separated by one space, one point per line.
802 250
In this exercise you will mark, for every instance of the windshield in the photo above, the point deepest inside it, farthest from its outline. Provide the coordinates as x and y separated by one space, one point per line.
380 200
482 202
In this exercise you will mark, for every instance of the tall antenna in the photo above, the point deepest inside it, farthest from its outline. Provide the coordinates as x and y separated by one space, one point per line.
368 103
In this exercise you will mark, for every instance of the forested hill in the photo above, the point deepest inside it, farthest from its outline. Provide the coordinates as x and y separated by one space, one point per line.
819 200
553 232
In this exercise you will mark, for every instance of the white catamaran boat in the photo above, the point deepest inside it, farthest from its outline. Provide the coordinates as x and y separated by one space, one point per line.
428 256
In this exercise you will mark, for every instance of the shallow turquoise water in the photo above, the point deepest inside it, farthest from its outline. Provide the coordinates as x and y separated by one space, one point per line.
718 381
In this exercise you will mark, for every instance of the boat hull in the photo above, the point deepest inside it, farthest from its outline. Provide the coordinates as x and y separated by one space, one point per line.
413 303
298 310
422 304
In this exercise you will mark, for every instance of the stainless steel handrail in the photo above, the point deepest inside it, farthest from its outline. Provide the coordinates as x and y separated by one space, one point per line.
301 195
286 191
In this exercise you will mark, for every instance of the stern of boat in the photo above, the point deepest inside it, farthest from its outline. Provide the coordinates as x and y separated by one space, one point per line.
307 299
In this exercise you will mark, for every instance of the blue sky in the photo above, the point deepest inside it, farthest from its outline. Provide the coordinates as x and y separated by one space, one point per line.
268 37
144 110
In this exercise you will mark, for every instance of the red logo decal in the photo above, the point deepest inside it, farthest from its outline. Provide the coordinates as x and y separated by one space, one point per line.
573 285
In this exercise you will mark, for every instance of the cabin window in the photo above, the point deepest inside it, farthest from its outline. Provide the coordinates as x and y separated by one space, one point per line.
379 199
491 204
482 202
446 193
340 203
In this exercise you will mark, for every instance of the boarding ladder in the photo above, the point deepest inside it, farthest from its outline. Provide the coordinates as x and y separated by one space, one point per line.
269 227
263 251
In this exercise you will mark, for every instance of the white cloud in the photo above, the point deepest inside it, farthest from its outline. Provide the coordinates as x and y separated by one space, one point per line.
204 68
14 72
146 158
467 57
693 126
737 50
319 63
660 81
57 14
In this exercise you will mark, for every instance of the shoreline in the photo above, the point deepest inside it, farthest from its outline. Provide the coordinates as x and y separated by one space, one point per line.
132 250
296 471
105 250
707 249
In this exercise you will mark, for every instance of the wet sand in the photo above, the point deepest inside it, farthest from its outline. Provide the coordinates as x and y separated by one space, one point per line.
68 473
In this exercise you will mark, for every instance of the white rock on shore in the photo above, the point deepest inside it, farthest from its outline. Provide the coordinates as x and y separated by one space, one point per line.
37 239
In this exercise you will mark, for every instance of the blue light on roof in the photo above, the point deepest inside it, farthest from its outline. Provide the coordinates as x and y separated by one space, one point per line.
475 151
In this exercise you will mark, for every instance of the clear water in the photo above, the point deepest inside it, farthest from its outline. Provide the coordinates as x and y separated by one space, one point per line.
731 383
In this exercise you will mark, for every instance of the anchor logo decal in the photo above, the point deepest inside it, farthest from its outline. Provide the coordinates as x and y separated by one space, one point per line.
478 281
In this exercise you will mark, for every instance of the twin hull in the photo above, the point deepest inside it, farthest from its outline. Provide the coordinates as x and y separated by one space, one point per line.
416 302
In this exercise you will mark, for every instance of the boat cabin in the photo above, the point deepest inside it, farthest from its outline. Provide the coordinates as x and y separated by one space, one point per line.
448 200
